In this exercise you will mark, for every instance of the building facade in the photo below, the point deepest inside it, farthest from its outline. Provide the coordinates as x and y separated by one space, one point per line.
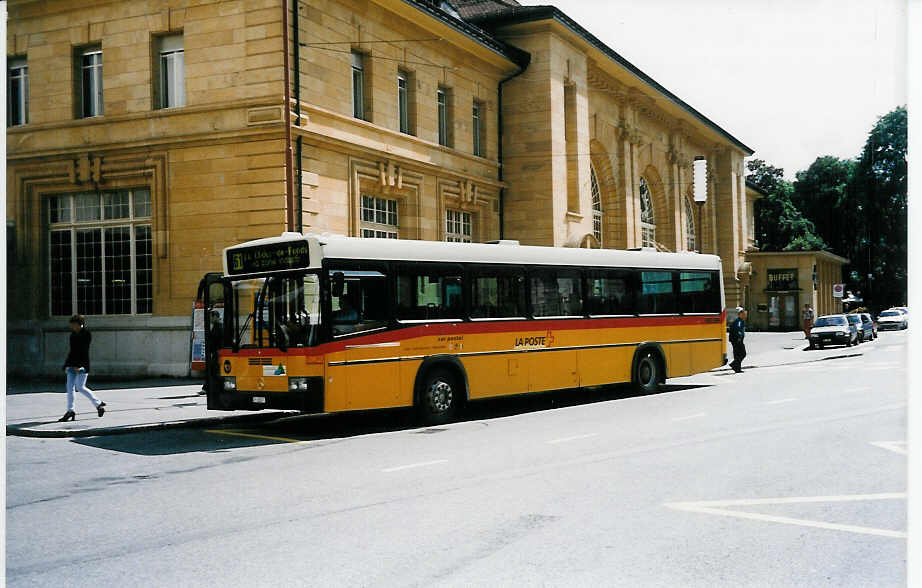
783 281
146 137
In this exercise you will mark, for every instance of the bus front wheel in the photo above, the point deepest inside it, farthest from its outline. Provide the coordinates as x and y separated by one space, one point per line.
439 396
646 373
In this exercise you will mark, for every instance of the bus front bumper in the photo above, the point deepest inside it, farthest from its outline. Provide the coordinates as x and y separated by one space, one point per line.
306 399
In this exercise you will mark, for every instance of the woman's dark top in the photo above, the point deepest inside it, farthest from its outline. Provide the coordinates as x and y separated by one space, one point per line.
79 355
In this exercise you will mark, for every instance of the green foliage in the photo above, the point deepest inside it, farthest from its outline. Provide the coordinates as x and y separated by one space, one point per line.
854 207
780 226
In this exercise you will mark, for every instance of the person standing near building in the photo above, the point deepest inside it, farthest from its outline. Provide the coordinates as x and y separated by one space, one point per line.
807 316
737 334
77 367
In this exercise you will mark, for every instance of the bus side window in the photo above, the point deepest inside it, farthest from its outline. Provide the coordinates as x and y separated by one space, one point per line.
425 293
497 294
556 293
699 292
609 292
657 295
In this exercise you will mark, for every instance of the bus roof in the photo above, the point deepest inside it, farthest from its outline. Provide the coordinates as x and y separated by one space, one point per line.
508 252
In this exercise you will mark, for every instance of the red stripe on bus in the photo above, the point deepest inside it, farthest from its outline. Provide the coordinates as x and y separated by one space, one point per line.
481 327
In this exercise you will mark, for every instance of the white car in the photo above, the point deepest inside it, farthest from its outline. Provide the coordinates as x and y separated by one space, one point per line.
892 319
833 329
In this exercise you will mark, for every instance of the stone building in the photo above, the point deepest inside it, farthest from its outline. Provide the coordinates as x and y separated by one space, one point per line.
147 136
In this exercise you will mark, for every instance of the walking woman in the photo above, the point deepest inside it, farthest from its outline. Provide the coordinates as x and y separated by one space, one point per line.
77 367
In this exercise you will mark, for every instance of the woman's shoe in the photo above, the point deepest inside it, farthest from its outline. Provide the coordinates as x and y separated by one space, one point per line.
101 409
68 416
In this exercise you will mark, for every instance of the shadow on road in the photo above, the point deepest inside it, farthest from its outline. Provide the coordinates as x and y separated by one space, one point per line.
343 425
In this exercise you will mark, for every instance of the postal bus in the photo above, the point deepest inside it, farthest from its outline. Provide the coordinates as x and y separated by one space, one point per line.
323 323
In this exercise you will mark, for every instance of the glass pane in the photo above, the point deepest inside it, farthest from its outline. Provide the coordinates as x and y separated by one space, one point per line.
358 93
556 294
59 209
172 86
657 295
143 269
141 202
610 293
115 205
61 274
423 295
699 292
368 209
87 206
89 271
118 270
498 295
363 305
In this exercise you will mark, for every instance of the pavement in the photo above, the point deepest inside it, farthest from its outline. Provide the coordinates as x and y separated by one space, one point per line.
33 406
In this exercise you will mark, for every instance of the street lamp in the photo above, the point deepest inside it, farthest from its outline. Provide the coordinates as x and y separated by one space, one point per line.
700 192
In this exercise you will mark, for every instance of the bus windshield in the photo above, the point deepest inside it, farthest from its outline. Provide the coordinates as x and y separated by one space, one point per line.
278 311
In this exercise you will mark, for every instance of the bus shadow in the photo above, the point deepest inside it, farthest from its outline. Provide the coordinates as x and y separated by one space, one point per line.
317 427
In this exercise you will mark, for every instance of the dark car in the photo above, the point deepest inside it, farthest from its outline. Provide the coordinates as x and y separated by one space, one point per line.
866 320
865 326
833 329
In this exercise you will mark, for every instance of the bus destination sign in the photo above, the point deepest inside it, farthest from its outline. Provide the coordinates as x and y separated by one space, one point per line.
275 257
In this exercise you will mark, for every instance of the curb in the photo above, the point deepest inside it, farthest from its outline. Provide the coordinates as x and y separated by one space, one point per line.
13 430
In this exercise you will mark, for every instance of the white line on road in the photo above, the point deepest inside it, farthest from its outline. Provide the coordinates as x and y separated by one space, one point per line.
565 439
708 507
414 465
689 417
894 446
781 401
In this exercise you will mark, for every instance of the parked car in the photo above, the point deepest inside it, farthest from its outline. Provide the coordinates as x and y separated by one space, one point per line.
866 331
867 318
833 329
892 320
855 320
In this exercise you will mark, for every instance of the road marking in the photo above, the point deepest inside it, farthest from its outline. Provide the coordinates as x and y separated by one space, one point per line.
254 436
782 401
894 446
565 439
709 507
689 417
414 465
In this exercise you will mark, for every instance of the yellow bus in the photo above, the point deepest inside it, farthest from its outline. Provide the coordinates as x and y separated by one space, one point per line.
325 323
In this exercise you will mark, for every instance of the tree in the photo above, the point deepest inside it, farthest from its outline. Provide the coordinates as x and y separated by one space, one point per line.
879 192
779 225
822 194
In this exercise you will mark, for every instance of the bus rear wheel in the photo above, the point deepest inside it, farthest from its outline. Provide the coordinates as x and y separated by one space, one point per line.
646 373
439 396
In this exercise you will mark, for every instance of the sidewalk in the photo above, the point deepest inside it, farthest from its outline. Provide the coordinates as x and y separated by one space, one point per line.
34 407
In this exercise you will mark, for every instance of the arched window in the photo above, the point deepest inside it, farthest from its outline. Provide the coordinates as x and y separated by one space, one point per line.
596 206
691 236
647 220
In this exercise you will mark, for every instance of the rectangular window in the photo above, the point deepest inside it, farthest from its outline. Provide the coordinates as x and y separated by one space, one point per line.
172 71
477 128
89 80
429 293
17 84
657 294
497 294
556 293
404 101
610 293
358 85
457 226
443 99
101 256
379 217
699 292
362 305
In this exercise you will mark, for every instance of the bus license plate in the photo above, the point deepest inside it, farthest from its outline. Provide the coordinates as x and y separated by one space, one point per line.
259 400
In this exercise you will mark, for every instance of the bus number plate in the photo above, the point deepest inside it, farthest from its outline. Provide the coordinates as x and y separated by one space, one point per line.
259 400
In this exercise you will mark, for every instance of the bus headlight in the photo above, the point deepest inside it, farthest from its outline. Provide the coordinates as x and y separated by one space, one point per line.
230 383
295 384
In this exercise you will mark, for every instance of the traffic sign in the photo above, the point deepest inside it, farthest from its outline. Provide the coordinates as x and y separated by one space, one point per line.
838 290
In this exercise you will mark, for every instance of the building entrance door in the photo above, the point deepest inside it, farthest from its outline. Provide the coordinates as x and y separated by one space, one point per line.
783 315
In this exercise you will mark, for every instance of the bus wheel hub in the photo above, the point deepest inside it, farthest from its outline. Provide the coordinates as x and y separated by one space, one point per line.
440 396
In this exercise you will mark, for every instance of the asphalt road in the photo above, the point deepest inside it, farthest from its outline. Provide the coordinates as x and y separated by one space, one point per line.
783 476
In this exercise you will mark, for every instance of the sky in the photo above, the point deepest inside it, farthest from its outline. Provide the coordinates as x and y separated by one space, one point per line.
792 79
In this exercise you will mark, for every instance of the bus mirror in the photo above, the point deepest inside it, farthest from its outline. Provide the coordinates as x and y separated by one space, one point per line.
339 282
